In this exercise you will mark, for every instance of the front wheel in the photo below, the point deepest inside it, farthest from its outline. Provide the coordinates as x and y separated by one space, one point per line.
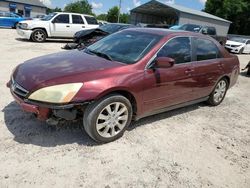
219 93
107 119
38 35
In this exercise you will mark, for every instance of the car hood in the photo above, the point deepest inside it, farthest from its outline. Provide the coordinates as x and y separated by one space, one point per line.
32 23
230 42
59 68
84 33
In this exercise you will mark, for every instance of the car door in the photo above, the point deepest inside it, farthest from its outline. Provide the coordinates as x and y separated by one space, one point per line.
5 20
170 86
77 24
247 47
60 26
208 66
91 22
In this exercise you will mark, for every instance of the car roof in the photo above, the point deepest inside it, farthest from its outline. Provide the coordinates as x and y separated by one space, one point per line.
165 32
74 13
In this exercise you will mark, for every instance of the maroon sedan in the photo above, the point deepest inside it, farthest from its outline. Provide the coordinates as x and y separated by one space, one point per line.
125 76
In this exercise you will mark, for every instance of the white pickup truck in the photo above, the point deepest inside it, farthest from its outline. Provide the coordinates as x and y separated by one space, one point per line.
56 25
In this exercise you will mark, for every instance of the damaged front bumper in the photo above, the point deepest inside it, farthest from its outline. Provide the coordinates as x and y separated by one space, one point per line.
47 112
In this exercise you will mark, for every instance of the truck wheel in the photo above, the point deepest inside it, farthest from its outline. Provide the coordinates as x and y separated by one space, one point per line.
219 93
38 35
107 119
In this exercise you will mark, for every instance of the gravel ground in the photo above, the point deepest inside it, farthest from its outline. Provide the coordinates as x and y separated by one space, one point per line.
197 146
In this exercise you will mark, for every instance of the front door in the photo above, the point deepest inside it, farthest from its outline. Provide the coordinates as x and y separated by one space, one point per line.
165 87
60 26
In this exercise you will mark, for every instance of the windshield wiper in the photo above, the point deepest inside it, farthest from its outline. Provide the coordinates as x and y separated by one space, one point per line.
100 54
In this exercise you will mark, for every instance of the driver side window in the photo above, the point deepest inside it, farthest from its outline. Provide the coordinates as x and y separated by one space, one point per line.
62 18
178 49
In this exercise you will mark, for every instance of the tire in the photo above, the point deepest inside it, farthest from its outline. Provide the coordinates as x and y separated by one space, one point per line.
219 93
103 123
15 25
241 50
248 71
38 35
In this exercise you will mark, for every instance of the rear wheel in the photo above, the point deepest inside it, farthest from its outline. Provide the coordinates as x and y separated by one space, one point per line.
107 119
38 35
219 92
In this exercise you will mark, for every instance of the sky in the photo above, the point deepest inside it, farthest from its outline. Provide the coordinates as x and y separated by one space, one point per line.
102 6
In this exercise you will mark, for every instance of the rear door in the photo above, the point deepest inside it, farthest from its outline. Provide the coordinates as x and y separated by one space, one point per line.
60 26
208 67
77 24
91 22
170 86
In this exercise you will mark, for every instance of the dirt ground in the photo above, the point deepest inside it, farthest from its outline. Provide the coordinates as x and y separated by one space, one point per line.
197 146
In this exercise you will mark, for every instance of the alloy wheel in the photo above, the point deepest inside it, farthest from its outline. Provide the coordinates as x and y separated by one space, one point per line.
112 119
39 36
220 91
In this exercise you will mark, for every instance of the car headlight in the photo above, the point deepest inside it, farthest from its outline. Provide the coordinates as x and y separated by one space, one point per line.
23 25
56 94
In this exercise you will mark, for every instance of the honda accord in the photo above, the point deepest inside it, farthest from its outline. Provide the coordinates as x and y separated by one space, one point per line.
124 77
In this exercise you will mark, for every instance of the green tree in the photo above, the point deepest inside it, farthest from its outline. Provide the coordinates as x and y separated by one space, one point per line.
238 12
80 6
102 17
112 15
124 18
49 10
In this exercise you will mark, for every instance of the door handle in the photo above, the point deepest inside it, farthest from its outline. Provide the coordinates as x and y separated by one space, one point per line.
189 71
83 26
67 26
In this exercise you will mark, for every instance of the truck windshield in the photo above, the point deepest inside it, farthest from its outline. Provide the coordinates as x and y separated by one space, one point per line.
49 17
126 47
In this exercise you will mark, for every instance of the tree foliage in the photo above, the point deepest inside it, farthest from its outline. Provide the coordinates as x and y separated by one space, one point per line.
113 13
80 6
238 12
49 10
102 17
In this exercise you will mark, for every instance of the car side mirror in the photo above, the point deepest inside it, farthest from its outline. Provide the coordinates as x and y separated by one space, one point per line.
53 21
164 62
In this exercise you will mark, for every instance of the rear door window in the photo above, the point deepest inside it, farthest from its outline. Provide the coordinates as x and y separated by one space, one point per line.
91 20
77 19
62 18
178 49
206 49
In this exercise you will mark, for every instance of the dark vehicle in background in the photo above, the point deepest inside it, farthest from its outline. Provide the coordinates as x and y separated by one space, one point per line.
85 38
125 76
206 30
9 19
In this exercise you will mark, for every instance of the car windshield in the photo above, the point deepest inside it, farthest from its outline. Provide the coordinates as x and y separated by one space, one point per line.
190 27
236 39
49 16
127 47
112 28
